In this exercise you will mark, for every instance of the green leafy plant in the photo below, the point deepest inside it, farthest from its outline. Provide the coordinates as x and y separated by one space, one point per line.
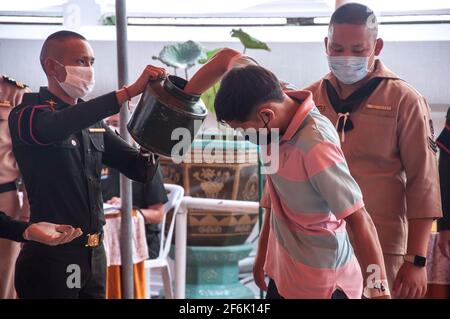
209 96
248 41
187 54
181 55
209 55
108 20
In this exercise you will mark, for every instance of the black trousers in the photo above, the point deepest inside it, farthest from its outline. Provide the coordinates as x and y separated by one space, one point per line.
153 236
272 292
66 271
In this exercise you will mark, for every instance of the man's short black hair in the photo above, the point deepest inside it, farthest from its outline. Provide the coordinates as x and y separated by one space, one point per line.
57 36
355 13
242 90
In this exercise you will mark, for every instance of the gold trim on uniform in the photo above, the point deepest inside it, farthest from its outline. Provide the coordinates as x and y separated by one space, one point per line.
51 103
14 82
93 240
96 130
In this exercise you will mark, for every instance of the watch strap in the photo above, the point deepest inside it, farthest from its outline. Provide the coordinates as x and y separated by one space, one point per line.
416 260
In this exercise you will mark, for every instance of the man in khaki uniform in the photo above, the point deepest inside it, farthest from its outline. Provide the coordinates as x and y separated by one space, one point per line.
388 140
11 92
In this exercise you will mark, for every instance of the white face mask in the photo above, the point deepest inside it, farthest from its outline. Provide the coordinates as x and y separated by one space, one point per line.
79 81
349 69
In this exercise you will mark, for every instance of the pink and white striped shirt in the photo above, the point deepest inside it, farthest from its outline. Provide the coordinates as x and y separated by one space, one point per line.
309 254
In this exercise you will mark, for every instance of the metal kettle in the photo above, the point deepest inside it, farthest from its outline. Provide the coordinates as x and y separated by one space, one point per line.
167 119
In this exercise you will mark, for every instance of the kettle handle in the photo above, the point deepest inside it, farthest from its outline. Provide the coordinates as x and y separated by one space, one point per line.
157 81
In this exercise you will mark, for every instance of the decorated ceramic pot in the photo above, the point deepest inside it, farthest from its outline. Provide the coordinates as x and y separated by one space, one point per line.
202 177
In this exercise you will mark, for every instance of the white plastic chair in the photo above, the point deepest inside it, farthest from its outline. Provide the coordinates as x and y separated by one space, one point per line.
175 196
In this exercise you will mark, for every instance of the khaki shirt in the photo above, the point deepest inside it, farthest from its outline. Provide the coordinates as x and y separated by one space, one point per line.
11 93
391 153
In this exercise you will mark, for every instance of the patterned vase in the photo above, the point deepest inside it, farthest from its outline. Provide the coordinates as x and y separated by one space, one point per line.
203 174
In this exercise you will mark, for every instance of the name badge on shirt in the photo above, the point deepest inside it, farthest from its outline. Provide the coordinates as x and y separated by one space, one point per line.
97 130
378 107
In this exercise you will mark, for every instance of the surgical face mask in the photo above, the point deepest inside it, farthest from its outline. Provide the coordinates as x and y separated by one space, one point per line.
79 80
349 69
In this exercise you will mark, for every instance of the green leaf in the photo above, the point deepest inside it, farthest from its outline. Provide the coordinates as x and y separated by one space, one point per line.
181 55
209 96
108 20
248 41
209 55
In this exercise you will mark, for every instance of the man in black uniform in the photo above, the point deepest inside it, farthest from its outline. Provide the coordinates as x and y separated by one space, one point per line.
60 146
443 142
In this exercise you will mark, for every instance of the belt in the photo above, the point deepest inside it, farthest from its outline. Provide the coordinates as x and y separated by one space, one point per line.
89 240
93 240
7 187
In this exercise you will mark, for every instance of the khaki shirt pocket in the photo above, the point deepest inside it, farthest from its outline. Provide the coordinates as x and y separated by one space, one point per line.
373 136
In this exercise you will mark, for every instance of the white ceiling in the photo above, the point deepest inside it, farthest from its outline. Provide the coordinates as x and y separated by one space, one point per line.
227 8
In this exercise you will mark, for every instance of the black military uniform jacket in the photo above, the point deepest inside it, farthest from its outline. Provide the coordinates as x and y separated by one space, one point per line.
443 142
12 229
61 149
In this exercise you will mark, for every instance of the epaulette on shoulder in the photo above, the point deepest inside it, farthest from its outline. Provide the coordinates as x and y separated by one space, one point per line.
14 82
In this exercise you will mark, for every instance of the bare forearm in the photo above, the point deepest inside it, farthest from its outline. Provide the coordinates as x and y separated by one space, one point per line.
411 281
418 236
264 235
150 73
153 214
367 244
211 72
122 96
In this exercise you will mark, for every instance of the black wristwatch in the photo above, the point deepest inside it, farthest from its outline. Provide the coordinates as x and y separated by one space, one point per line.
418 261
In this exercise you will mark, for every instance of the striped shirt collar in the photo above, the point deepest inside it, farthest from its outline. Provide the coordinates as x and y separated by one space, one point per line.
306 105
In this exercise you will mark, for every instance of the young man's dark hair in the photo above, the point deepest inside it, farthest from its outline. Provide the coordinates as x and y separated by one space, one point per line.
54 38
243 89
355 13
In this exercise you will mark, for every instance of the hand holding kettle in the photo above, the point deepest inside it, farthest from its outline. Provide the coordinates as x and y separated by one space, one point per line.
150 73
